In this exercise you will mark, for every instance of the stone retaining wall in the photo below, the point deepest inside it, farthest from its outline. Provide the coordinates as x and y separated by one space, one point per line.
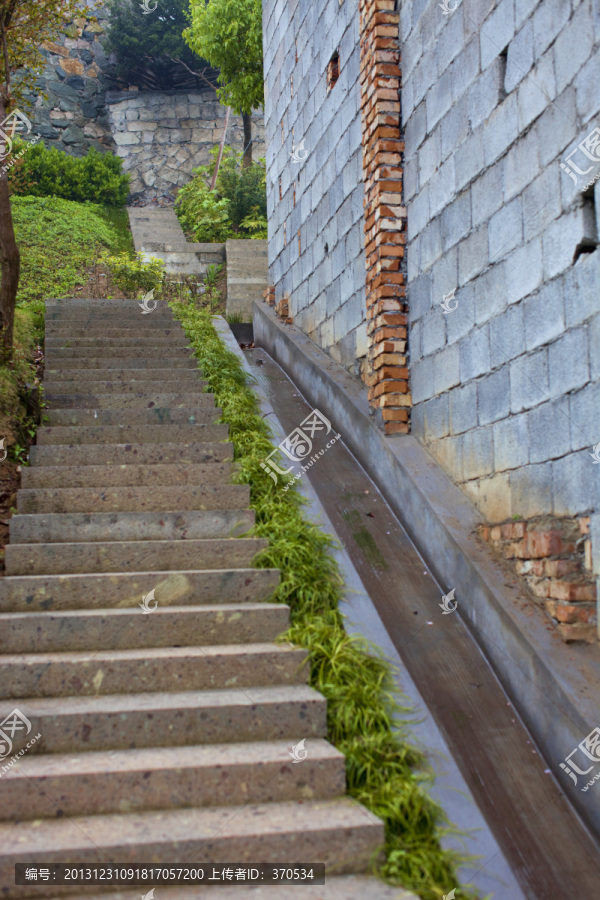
160 136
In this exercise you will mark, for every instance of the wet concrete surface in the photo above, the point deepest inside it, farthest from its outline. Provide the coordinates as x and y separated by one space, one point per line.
548 849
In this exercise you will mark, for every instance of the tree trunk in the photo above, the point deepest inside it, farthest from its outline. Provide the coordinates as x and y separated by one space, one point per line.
10 262
247 120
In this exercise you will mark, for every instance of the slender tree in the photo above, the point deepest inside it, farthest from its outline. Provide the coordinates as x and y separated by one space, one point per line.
24 24
228 33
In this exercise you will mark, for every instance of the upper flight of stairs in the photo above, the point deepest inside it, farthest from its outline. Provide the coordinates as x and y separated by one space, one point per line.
165 736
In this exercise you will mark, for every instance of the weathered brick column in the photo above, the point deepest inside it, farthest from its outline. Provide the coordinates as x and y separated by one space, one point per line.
386 373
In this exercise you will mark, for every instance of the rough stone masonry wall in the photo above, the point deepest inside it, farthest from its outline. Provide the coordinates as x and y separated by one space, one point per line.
315 206
506 386
160 136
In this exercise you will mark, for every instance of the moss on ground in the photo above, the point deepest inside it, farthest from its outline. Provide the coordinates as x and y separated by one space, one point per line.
385 771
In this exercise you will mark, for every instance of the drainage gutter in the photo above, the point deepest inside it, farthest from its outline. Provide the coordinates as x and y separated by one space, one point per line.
516 637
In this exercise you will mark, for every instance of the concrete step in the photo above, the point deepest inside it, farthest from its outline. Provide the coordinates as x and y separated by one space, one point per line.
154 416
170 498
337 832
126 590
341 887
131 556
124 362
189 383
122 454
147 376
139 434
109 351
109 326
135 671
70 724
125 401
99 783
46 477
130 526
124 629
156 339
158 318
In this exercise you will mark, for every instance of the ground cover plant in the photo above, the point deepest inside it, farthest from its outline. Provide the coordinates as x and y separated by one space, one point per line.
384 771
236 208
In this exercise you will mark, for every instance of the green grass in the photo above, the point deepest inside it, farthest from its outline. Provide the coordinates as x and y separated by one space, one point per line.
58 239
385 771
13 412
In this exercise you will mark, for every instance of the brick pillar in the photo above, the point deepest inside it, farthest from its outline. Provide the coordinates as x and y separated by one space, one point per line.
386 372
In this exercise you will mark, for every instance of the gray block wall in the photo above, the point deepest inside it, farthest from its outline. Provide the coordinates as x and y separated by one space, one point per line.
321 197
506 387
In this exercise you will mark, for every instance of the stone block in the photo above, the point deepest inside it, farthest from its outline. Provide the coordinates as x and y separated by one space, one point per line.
544 315
511 443
581 290
463 408
568 362
460 321
549 430
541 202
455 127
507 340
562 238
574 484
441 187
433 335
537 91
519 58
531 490
493 396
497 32
505 230
529 381
484 93
500 130
486 193
524 271
415 129
422 380
478 453
465 68
548 19
474 354
436 419
573 46
469 161
586 87
521 165
473 255
583 413
456 221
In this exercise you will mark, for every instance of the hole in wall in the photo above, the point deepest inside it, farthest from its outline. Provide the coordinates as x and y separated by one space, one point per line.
333 70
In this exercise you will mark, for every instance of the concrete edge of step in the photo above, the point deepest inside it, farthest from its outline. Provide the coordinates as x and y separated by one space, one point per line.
515 636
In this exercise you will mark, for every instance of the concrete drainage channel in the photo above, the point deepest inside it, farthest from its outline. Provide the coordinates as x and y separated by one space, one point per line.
491 776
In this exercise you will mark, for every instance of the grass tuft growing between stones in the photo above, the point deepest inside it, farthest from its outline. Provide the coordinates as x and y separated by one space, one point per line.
384 771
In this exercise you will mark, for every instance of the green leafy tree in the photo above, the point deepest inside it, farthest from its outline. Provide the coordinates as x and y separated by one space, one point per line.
228 33
150 49
24 25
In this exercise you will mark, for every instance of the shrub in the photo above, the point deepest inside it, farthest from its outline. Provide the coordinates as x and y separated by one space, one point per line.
236 208
135 274
97 177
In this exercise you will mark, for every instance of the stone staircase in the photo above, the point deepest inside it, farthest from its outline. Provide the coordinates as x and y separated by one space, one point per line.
165 735
157 232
